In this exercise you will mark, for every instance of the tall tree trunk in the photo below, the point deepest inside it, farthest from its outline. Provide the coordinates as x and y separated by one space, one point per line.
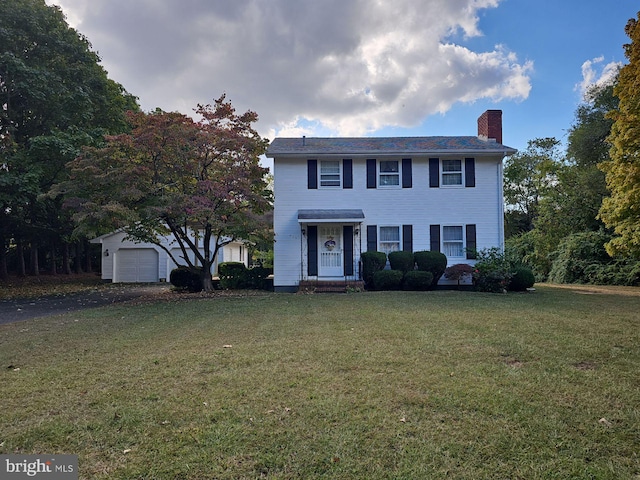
34 268
4 272
87 256
78 259
54 270
22 268
66 261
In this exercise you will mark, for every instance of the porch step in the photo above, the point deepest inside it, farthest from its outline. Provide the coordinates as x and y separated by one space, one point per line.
330 287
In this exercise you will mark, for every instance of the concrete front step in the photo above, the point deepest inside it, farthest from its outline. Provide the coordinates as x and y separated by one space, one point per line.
318 286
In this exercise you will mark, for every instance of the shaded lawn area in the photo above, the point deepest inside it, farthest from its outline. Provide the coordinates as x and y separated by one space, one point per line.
369 385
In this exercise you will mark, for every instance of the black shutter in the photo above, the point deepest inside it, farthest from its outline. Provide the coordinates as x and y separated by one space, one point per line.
406 173
434 233
347 173
471 242
347 235
312 250
312 174
371 173
469 172
434 172
372 238
407 238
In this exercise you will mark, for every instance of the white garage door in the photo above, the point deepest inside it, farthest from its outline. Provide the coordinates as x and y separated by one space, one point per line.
137 265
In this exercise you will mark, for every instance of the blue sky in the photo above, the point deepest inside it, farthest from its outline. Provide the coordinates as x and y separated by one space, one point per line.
359 67
558 36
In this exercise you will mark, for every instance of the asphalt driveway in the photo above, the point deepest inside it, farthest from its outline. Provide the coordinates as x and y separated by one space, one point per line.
19 309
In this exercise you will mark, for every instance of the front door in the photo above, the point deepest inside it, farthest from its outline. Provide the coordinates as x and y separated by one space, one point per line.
330 251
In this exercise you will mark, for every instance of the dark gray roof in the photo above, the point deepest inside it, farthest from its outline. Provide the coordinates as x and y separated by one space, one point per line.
331 214
384 146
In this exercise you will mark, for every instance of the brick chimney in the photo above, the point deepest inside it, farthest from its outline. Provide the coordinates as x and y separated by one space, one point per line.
490 125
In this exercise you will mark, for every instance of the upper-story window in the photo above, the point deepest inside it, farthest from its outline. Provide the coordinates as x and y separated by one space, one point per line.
451 172
330 173
389 173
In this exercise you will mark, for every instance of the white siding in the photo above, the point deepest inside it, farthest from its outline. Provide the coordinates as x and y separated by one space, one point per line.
419 206
121 258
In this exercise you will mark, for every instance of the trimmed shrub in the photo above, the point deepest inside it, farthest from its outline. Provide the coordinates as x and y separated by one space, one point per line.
458 272
387 279
402 261
187 279
256 277
233 275
417 280
434 262
372 262
522 279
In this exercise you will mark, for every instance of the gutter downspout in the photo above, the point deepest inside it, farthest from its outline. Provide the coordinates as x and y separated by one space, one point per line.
501 204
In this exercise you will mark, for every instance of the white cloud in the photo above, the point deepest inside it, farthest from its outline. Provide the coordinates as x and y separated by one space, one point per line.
594 76
346 67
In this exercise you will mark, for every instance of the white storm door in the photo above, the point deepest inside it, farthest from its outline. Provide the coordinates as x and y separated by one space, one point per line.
330 251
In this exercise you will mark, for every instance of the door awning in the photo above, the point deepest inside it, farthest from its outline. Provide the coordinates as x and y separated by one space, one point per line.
331 216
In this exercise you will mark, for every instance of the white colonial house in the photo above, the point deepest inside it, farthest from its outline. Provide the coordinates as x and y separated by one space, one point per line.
338 197
124 261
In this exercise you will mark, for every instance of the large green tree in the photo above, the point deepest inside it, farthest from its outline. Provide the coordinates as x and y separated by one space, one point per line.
55 98
621 210
573 204
171 174
529 176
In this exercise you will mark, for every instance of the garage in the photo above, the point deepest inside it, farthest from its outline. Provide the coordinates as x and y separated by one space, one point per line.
136 265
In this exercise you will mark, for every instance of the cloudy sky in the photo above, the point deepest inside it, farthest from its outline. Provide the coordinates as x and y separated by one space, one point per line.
362 67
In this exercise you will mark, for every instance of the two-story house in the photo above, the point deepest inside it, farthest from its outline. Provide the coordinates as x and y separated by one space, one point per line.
338 197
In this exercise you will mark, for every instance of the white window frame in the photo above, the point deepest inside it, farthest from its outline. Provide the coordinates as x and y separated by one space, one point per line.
449 243
382 241
397 174
451 173
330 177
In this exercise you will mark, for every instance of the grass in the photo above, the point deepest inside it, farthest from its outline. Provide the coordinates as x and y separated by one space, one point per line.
372 385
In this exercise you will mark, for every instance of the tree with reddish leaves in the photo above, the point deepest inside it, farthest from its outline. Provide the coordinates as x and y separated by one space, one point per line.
198 180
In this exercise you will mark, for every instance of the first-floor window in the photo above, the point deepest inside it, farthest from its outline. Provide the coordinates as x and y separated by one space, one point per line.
452 241
389 173
389 239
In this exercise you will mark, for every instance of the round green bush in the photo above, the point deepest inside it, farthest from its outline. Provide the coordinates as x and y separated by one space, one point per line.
402 261
522 279
233 275
417 280
186 278
372 262
434 262
387 279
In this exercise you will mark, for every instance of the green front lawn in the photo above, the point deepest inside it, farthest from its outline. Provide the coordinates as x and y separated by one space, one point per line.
373 385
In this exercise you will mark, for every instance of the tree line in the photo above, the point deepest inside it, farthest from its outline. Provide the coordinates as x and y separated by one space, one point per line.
79 159
574 216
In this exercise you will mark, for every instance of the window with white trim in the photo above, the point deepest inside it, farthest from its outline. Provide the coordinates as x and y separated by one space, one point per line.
389 174
330 173
389 240
453 241
451 172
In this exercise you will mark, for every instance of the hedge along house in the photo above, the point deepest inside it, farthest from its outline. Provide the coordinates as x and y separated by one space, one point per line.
124 261
338 197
